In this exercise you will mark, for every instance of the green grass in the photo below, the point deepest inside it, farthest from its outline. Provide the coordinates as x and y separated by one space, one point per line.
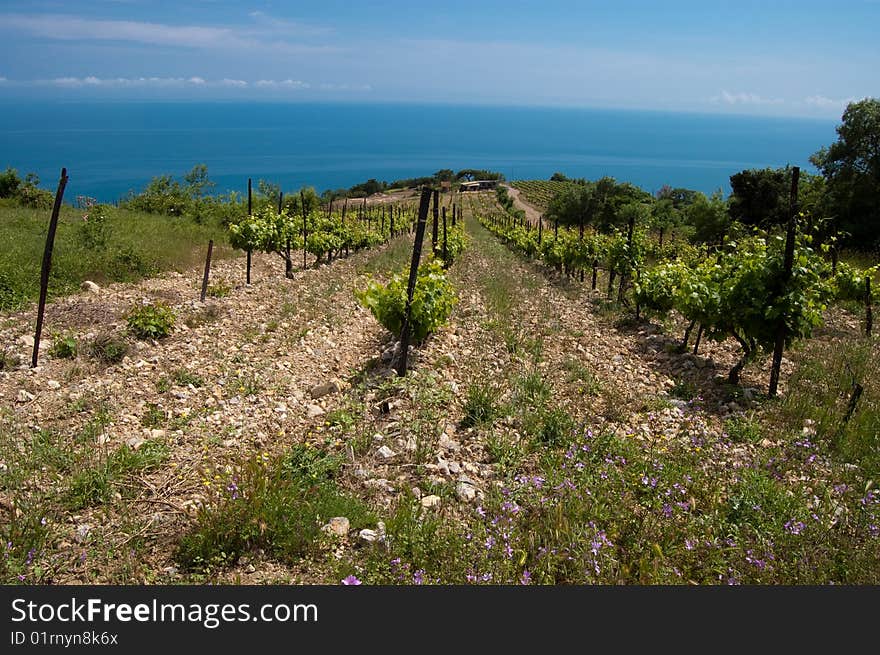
134 245
96 484
480 407
277 506
821 390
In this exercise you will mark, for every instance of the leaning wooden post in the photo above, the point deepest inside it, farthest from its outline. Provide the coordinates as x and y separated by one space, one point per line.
445 246
249 250
869 314
788 263
540 230
435 225
413 275
302 201
47 264
280 200
391 225
207 270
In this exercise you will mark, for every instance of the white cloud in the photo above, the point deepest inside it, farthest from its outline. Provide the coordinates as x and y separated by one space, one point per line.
239 84
123 82
286 84
274 36
268 24
821 102
745 99
2 80
68 28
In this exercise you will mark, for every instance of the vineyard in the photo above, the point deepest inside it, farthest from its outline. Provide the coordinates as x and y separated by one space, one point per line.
539 193
582 403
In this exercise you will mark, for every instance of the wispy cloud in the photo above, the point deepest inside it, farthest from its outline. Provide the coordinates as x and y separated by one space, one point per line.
284 84
821 102
264 23
94 82
264 34
119 82
728 98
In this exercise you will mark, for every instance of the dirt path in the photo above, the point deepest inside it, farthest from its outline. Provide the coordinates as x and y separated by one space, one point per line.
532 214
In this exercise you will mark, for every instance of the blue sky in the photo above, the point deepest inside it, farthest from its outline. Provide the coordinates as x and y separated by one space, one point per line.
804 58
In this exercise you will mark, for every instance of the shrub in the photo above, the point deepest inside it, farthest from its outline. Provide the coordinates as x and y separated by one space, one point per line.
64 346
9 183
30 196
108 348
151 321
433 300
94 231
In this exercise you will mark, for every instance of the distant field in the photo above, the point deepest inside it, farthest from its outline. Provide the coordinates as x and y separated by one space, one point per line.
128 246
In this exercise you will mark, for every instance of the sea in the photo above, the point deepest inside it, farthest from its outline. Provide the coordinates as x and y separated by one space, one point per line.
113 148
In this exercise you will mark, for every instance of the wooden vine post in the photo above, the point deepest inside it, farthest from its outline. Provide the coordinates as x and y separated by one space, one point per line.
249 250
445 246
788 263
47 264
302 201
436 216
413 275
207 270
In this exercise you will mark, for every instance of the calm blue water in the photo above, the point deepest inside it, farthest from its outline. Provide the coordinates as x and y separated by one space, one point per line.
111 148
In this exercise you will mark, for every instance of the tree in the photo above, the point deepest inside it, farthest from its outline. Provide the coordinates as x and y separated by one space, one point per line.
760 196
681 198
197 182
559 177
851 167
664 216
709 218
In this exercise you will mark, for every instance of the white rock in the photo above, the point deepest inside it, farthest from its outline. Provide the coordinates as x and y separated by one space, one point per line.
135 442
338 525
385 452
447 443
313 411
23 396
156 433
370 536
465 491
90 286
53 384
431 501
26 340
82 532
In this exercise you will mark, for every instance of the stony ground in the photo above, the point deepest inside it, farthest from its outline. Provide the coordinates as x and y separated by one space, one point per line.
249 374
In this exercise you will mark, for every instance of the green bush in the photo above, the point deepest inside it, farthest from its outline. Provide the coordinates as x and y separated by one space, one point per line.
30 196
151 321
9 183
108 348
94 230
64 346
433 300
